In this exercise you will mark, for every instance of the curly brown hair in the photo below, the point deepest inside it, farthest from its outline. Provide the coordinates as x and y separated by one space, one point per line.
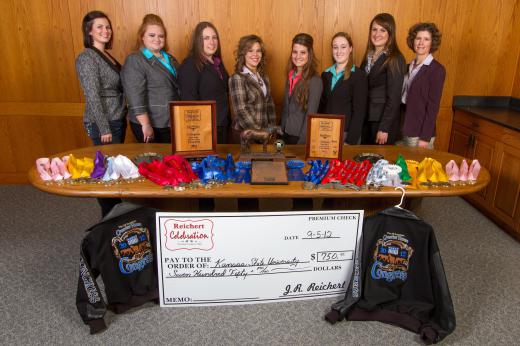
244 45
431 28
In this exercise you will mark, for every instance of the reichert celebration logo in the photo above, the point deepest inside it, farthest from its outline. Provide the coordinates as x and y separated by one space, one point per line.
188 234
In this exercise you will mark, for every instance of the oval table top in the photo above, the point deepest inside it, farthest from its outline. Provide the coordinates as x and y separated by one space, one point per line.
147 189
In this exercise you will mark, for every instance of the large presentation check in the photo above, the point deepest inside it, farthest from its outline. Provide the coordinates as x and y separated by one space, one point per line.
244 258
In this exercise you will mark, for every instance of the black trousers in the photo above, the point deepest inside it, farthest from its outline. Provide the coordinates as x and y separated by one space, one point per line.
160 134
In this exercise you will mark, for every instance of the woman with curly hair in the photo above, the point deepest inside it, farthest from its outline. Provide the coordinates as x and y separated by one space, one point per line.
422 88
249 88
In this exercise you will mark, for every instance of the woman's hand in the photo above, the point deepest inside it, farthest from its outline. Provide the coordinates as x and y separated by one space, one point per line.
381 137
423 144
147 132
106 138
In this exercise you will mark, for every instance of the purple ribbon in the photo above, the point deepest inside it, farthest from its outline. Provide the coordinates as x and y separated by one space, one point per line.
99 166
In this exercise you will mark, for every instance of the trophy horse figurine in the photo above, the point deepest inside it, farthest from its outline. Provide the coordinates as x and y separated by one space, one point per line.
263 136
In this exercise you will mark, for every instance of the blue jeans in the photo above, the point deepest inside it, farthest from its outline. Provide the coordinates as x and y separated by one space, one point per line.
117 127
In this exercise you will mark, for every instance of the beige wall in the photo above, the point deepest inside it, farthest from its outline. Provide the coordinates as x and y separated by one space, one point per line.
40 98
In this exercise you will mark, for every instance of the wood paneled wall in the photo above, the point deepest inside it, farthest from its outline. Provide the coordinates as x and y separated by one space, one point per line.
40 97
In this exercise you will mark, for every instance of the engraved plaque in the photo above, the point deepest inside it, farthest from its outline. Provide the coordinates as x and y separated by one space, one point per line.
193 126
324 136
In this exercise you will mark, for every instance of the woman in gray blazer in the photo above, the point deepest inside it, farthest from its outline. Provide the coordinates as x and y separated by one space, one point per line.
302 90
150 83
98 73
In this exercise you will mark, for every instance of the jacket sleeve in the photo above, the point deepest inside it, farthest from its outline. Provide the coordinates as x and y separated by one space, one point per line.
324 95
442 321
133 77
432 104
394 87
271 112
244 113
313 103
285 108
359 107
89 300
189 81
89 78
340 309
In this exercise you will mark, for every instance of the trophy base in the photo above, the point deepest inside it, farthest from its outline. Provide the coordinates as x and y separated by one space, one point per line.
268 173
261 156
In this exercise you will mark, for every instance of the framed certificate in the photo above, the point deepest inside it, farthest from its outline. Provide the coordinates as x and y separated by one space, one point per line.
324 136
193 126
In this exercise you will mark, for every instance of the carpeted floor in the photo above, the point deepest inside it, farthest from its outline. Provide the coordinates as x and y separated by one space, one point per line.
40 240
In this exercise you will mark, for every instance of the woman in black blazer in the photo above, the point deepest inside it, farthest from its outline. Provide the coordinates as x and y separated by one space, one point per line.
202 75
345 88
385 67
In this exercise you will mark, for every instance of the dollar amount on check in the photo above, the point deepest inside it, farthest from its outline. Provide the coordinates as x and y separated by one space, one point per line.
244 258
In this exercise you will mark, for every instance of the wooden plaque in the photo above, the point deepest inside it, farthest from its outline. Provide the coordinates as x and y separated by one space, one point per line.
268 173
193 127
324 136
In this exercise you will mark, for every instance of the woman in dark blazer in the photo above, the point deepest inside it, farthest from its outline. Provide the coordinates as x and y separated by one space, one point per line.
422 88
202 75
302 90
105 111
249 88
385 67
345 88
150 82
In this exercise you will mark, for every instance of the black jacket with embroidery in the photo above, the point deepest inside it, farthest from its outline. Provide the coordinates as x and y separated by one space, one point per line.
122 250
398 278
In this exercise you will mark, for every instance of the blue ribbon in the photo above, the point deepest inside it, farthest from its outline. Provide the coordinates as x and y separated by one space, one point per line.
243 172
294 172
317 172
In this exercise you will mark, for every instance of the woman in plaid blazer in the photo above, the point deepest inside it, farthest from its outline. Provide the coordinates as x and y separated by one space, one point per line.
249 88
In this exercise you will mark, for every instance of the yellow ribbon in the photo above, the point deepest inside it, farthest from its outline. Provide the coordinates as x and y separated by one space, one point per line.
80 168
412 170
431 171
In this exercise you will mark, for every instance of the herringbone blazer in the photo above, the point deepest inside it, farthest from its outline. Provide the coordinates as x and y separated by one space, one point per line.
252 110
101 85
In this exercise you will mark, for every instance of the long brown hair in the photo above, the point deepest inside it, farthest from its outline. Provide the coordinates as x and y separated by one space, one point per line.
244 45
386 20
197 44
309 70
350 61
150 19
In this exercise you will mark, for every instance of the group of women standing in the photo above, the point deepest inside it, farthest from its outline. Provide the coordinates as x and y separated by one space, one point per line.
372 97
